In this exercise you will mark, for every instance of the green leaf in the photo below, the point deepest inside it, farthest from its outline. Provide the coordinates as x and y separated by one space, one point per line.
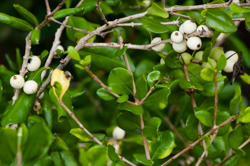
158 100
196 16
106 10
220 21
221 117
137 110
207 51
245 78
128 121
97 155
221 63
77 22
163 146
45 161
218 148
236 100
209 88
237 9
15 22
236 137
120 80
152 77
105 95
122 99
151 129
79 133
111 153
35 36
59 144
244 117
184 84
141 159
172 60
73 53
26 14
1 90
38 143
141 87
119 31
68 158
153 25
88 5
66 12
8 145
205 118
207 74
191 127
156 10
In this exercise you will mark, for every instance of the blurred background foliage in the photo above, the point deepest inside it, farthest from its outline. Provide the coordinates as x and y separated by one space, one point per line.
99 115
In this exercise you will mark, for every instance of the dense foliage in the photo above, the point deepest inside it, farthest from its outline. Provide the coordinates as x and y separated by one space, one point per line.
169 74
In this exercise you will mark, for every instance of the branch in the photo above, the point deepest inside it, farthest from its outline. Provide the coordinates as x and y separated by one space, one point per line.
72 115
180 15
163 4
231 154
59 6
100 12
47 7
132 24
232 118
145 143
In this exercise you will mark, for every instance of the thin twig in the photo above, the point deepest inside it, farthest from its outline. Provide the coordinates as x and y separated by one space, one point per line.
145 143
232 118
72 115
100 12
47 7
231 154
180 15
59 6
132 24
163 4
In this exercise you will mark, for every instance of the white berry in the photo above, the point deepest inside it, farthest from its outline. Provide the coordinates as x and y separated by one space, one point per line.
146 3
202 29
189 26
234 56
181 29
229 66
59 49
17 81
118 133
34 63
30 87
176 37
158 47
180 47
194 43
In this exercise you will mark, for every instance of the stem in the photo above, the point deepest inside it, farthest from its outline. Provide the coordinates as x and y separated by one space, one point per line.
145 142
232 118
72 115
132 24
100 12
231 154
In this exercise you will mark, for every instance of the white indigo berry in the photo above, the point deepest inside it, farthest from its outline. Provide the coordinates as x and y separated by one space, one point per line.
180 47
17 81
59 52
30 87
118 133
176 37
181 29
234 56
158 47
229 66
189 26
194 43
34 63
202 29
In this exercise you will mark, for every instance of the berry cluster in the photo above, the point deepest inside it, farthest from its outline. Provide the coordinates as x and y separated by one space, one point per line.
30 86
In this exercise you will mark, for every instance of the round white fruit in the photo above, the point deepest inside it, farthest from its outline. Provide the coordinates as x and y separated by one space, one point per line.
181 29
176 37
189 26
118 133
207 65
158 47
17 81
194 43
146 3
198 55
202 29
30 87
234 56
180 47
229 66
34 63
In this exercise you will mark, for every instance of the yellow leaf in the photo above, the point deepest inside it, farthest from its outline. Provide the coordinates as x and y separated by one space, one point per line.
62 77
